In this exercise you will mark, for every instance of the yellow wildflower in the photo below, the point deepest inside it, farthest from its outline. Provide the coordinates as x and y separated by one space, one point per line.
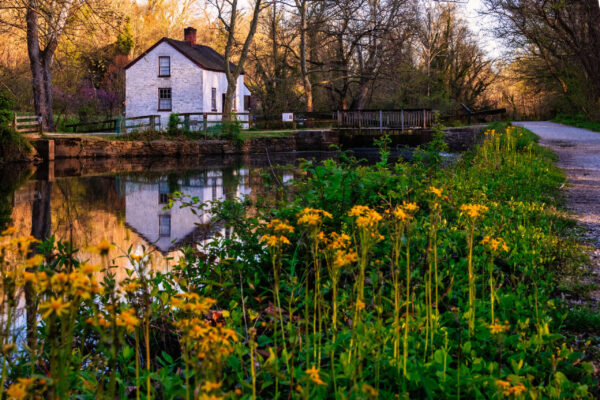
437 192
473 211
128 319
312 216
503 386
210 386
17 391
498 328
35 261
54 306
518 389
101 248
313 374
360 304
369 390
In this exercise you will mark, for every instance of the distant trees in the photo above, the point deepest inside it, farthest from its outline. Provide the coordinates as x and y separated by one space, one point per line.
556 49
296 54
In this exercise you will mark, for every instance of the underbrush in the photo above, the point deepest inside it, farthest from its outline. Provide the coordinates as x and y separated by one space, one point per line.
384 281
13 146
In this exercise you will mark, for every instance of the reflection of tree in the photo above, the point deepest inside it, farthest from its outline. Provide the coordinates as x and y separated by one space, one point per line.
10 180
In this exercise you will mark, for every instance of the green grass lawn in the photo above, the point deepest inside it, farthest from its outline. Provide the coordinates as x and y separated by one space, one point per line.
577 120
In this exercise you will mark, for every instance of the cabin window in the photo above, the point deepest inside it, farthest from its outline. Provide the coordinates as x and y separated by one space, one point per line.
164 66
213 99
164 99
246 103
164 225
163 193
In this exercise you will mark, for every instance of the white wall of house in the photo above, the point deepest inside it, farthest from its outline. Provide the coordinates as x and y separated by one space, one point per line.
191 86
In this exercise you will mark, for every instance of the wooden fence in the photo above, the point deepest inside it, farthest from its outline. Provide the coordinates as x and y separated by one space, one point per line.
109 125
399 120
144 122
27 123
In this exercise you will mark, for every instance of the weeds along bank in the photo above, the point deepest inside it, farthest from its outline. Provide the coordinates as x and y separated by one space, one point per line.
402 281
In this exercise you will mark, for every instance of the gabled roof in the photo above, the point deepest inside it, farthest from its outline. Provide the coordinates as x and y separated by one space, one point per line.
203 56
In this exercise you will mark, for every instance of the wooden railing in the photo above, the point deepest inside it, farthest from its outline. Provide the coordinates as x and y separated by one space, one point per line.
27 123
385 120
144 122
202 121
109 125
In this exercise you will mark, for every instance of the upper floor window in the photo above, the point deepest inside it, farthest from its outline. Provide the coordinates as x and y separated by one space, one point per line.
164 66
213 99
246 103
164 99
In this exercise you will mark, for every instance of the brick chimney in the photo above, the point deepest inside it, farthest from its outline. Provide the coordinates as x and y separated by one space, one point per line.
189 35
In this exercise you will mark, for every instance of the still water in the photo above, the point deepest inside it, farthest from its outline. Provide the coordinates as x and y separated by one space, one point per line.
86 201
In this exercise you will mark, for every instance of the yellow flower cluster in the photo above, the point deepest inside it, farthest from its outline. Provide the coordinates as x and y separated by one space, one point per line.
404 212
473 211
497 328
279 226
366 217
343 258
128 319
312 216
508 389
102 248
19 390
274 241
207 338
192 303
494 244
436 191
313 374
491 132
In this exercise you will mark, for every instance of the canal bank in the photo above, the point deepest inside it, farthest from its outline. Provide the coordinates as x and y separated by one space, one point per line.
55 147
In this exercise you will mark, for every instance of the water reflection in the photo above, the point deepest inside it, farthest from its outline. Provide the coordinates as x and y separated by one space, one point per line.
128 206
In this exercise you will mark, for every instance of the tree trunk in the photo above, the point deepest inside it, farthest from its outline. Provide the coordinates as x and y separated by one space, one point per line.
40 63
232 76
303 67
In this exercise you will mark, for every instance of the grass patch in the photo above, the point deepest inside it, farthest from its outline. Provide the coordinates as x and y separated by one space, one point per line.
578 120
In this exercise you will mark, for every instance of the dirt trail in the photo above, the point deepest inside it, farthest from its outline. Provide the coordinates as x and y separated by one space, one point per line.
578 151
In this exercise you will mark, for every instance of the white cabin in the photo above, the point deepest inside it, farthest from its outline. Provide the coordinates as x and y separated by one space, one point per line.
175 76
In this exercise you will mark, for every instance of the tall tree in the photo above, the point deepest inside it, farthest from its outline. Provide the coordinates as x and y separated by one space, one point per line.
563 35
229 16
46 23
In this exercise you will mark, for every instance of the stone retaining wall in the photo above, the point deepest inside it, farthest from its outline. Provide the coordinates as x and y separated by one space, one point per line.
458 139
77 147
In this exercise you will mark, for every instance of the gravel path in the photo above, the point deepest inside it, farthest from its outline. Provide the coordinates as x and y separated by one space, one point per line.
578 152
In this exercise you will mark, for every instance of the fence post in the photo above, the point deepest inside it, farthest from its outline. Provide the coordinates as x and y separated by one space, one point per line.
205 124
15 122
424 119
250 120
402 120
339 118
186 122
380 122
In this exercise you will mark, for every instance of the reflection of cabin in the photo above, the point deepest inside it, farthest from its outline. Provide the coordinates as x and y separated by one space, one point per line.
169 229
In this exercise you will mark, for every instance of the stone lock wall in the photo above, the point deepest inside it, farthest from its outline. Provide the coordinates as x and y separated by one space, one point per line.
97 148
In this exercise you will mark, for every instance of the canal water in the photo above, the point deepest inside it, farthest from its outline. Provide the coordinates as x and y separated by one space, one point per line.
125 202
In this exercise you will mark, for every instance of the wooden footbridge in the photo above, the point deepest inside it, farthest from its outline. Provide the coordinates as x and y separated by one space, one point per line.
388 122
